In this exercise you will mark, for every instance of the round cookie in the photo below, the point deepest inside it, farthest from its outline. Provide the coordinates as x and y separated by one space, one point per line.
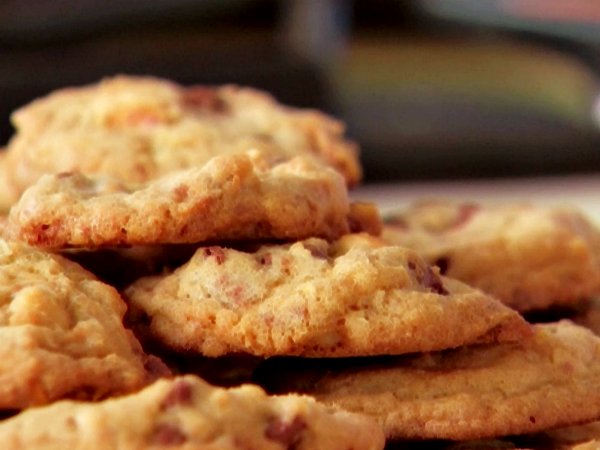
62 333
476 392
140 128
187 413
232 197
529 257
352 297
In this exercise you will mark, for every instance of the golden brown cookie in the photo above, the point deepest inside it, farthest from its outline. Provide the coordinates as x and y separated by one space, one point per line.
62 333
475 392
365 217
8 192
140 128
187 413
314 298
232 197
529 257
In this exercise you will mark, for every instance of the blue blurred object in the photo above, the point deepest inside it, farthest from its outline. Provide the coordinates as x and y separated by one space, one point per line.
577 20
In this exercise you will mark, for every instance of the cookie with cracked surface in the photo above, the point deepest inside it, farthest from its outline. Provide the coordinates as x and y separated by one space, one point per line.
351 297
474 392
233 197
62 333
140 128
187 413
530 257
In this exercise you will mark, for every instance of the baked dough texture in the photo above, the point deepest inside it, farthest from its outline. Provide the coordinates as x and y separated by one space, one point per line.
62 333
351 297
187 413
141 128
475 392
528 256
233 197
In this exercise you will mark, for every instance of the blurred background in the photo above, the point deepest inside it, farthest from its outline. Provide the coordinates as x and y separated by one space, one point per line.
431 89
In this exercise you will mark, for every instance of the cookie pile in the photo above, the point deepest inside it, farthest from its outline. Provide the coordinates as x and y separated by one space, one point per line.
217 225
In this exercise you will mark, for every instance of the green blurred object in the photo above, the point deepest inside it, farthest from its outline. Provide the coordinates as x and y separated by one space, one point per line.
492 74
446 107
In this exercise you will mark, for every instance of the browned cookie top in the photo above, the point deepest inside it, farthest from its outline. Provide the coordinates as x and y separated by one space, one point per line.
528 256
352 297
62 332
475 392
187 413
232 197
140 128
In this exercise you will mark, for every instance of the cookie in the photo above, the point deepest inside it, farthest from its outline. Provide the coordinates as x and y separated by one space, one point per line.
8 192
232 197
187 413
140 128
529 257
62 333
312 298
476 392
3 226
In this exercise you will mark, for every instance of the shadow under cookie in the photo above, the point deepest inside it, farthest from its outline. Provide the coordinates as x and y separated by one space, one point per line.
476 392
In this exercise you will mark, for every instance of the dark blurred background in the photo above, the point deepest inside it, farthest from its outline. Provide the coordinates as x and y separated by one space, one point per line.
431 89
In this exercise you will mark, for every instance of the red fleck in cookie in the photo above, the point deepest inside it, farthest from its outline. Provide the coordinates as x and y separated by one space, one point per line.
352 297
62 333
474 392
141 128
529 257
232 197
187 413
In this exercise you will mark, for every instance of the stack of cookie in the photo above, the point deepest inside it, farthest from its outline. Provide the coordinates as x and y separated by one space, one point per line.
223 221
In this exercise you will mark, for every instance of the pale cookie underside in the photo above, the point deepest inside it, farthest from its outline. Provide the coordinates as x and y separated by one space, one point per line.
529 257
235 197
61 332
188 413
352 297
477 392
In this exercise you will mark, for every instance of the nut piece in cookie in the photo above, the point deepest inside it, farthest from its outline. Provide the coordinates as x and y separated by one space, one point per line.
529 257
141 128
188 413
62 333
352 297
234 197
475 392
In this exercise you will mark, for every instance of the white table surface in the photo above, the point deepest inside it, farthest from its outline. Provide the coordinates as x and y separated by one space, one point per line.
580 191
